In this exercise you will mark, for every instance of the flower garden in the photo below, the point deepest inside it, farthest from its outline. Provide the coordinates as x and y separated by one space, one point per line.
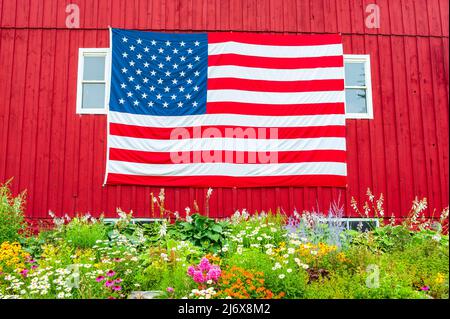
265 255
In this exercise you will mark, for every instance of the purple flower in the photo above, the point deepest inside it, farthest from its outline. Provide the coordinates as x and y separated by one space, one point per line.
117 288
170 289
31 261
24 272
118 280
117 260
109 283
110 273
214 273
34 266
425 288
100 278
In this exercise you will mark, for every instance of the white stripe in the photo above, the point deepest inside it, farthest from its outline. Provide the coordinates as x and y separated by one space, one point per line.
227 120
244 72
274 51
275 97
228 169
227 143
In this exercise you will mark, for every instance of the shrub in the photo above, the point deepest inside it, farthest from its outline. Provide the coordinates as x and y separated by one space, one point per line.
84 232
11 214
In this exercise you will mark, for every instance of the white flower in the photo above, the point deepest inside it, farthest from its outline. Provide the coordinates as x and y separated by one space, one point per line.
314 252
281 276
259 238
291 251
289 270
209 192
163 229
60 295
239 250
437 237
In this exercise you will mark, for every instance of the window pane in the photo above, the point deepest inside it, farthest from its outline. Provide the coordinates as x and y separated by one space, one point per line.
93 96
354 74
355 101
94 68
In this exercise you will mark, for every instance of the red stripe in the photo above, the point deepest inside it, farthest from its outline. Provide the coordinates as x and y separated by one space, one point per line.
276 63
274 39
229 181
162 133
275 110
275 86
116 154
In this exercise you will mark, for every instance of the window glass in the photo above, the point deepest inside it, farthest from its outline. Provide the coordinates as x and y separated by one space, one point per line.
94 68
355 101
355 74
93 95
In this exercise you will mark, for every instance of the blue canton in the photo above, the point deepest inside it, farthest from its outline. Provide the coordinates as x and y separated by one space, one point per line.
158 73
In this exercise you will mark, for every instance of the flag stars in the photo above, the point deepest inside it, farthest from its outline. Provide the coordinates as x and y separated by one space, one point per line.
129 94
168 58
175 66
137 87
194 104
123 85
182 44
174 81
132 48
188 96
152 88
189 81
121 101
136 103
168 43
152 72
196 43
175 51
160 65
173 97
130 79
124 70
153 42
146 49
167 73
125 39
189 66
145 80
189 51
161 50
153 57
146 64
139 41
180 104
182 73
166 89
160 81
158 96
125 55
196 73
197 58
150 104
138 72
196 88
132 63
181 89
144 95
139 56
165 104
183 58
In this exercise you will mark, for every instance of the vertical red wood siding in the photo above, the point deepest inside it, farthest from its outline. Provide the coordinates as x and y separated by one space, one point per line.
59 156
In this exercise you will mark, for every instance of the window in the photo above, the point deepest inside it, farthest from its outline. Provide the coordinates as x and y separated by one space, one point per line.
93 80
358 87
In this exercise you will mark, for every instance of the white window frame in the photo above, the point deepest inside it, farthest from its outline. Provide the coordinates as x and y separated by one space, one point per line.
361 58
82 52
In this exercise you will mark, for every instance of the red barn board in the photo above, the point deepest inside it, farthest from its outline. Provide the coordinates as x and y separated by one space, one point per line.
58 156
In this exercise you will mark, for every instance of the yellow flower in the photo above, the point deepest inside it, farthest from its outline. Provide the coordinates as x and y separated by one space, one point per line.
440 278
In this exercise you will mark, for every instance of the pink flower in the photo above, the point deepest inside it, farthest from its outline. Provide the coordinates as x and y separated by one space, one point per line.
24 272
214 273
100 278
191 271
110 273
170 289
109 283
425 288
198 277
117 288
204 264
111 297
118 280
34 266
117 260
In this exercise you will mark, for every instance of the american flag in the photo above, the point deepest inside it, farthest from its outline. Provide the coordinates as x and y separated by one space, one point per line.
226 109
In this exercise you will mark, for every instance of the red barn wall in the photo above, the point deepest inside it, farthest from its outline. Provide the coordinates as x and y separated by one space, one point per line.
59 156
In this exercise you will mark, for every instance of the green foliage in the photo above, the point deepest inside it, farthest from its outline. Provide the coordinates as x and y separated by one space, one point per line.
83 233
202 231
11 214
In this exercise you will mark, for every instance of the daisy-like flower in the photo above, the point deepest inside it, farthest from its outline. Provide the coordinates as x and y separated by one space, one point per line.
281 276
